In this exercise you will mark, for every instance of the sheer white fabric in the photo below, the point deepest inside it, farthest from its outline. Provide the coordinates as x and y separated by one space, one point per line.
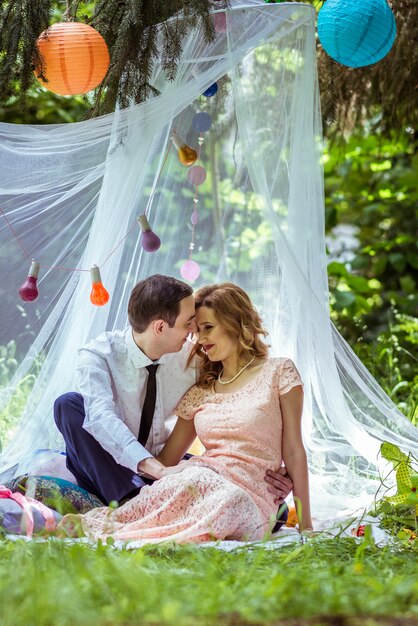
72 192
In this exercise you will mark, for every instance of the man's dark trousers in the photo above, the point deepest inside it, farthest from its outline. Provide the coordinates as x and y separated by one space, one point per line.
95 469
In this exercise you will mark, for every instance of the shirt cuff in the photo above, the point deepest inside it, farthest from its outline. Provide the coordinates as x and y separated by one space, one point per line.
133 455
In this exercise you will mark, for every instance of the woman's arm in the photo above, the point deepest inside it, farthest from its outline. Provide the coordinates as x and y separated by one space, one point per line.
174 449
294 454
178 443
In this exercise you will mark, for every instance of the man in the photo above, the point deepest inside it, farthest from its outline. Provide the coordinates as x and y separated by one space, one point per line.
112 442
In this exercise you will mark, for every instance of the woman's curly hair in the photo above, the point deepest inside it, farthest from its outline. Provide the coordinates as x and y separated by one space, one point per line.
236 313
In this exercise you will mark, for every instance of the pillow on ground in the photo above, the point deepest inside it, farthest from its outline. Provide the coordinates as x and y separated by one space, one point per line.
13 520
56 493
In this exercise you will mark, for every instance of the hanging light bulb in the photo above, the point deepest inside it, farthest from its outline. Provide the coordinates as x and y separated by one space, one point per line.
149 240
187 156
98 295
28 292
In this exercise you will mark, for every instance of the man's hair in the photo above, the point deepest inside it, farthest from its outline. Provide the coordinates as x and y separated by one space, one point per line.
157 297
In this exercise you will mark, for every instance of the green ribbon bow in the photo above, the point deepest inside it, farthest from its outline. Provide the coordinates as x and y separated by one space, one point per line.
406 478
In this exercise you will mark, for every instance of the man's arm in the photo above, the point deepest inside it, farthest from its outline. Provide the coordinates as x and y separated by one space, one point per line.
102 422
280 484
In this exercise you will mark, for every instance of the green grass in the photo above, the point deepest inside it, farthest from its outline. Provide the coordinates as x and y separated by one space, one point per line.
60 584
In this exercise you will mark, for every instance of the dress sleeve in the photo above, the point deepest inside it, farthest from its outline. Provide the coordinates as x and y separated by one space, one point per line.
288 376
190 403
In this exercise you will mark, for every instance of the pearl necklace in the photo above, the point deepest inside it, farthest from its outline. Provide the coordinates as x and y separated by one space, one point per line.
226 382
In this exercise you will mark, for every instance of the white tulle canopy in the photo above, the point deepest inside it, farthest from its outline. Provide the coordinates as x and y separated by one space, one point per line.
70 195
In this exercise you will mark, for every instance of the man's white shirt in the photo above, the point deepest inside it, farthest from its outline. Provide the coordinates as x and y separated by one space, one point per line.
112 379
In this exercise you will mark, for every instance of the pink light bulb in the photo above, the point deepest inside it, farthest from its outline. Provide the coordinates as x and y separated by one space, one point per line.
190 270
149 240
28 292
196 175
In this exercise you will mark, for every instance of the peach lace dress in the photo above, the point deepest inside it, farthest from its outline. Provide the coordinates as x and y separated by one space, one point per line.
241 433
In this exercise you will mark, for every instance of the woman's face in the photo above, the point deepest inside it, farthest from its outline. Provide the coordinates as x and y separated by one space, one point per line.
213 337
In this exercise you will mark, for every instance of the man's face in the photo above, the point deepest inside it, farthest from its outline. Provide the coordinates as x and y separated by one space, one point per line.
175 337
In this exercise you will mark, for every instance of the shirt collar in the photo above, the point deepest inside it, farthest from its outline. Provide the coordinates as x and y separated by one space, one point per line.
138 358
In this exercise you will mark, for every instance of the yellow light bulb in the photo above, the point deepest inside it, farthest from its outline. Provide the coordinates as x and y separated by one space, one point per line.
187 156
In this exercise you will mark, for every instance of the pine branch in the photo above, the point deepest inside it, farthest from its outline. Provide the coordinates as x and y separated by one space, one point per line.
21 23
129 28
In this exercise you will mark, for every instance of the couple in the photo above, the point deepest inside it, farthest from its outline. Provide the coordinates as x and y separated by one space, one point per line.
244 406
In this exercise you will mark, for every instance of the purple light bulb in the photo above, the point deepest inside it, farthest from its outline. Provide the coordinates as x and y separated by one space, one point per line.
28 292
149 240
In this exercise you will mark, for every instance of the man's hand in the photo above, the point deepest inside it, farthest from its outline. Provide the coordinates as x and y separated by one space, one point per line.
175 469
151 468
280 484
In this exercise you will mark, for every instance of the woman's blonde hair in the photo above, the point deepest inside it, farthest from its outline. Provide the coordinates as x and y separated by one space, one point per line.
236 313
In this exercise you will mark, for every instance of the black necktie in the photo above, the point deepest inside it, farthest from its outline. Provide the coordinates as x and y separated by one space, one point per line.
149 405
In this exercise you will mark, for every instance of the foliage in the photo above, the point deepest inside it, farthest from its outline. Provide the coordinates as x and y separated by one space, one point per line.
8 363
398 513
348 96
43 107
16 398
391 359
133 45
384 93
398 519
370 183
60 583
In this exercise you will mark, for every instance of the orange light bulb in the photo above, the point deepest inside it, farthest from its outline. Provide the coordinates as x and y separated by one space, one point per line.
98 295
187 156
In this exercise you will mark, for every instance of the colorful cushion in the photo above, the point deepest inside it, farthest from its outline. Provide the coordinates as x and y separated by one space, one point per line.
16 519
56 493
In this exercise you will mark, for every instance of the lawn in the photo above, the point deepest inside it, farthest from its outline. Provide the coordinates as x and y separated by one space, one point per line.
324 581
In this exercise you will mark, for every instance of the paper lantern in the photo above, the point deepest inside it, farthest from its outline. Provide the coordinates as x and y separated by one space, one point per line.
75 58
356 32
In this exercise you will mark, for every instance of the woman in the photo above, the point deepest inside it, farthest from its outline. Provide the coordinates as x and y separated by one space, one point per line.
246 409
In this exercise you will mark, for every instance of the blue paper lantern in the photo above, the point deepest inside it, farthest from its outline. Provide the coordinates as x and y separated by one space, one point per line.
202 122
210 91
356 32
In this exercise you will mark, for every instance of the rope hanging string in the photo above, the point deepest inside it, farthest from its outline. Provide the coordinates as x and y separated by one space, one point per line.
28 291
78 269
14 234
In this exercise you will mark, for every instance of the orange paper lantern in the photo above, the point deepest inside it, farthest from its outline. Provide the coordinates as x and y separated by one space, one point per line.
75 58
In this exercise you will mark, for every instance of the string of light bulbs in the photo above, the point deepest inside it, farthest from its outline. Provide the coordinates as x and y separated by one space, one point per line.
190 270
